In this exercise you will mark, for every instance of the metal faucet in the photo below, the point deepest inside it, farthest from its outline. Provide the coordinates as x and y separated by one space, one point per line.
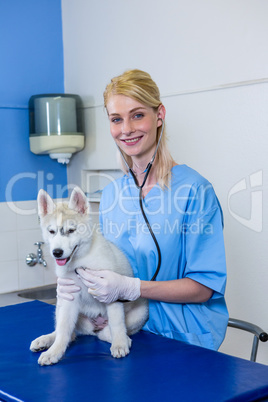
32 259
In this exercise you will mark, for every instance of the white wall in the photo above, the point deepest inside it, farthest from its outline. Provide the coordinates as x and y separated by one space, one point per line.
195 51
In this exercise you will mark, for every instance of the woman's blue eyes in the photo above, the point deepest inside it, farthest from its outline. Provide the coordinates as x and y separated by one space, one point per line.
137 116
115 120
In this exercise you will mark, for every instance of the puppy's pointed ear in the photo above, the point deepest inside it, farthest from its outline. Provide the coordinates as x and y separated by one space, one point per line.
78 201
45 203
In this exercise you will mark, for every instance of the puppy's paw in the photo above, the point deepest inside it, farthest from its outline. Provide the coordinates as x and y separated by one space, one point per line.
121 348
41 343
47 358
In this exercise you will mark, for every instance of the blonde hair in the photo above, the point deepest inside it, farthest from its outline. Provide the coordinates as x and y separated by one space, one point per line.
139 85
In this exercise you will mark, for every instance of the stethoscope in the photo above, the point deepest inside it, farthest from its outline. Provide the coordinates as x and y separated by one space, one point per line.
147 171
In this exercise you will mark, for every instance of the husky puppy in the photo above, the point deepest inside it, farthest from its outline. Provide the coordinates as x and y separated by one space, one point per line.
74 243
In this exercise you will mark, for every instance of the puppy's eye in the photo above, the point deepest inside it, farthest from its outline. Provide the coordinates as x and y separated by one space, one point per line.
70 231
51 231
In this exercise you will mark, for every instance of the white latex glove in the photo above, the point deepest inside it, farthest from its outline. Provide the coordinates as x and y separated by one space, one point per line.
65 288
108 286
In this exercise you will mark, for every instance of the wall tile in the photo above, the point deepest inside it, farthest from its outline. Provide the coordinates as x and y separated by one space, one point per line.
30 277
8 218
26 240
8 276
27 217
8 246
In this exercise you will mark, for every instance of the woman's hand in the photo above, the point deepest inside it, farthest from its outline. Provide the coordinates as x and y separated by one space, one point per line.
65 288
108 286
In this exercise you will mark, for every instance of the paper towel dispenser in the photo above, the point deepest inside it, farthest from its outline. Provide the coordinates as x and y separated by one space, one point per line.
56 125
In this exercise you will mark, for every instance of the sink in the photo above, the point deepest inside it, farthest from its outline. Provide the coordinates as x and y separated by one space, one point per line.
41 293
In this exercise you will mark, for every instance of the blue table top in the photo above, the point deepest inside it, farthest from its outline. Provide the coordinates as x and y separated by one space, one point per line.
157 368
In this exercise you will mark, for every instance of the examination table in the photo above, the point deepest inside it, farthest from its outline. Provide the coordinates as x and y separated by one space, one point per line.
157 369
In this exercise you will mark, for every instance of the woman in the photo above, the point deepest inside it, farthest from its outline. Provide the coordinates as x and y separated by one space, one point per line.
186 301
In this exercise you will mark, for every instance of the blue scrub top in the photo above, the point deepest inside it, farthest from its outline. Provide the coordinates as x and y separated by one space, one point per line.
188 224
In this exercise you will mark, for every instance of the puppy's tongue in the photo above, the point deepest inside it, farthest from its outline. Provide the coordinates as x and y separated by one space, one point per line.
61 262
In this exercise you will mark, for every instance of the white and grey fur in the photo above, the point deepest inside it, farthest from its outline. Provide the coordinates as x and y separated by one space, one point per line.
67 227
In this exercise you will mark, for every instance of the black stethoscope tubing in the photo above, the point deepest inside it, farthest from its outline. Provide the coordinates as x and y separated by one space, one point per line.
153 237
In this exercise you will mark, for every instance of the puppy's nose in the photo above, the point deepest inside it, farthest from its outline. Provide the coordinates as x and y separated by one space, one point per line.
57 252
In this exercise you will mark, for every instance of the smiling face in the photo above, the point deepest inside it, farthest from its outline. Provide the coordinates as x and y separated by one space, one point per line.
134 126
